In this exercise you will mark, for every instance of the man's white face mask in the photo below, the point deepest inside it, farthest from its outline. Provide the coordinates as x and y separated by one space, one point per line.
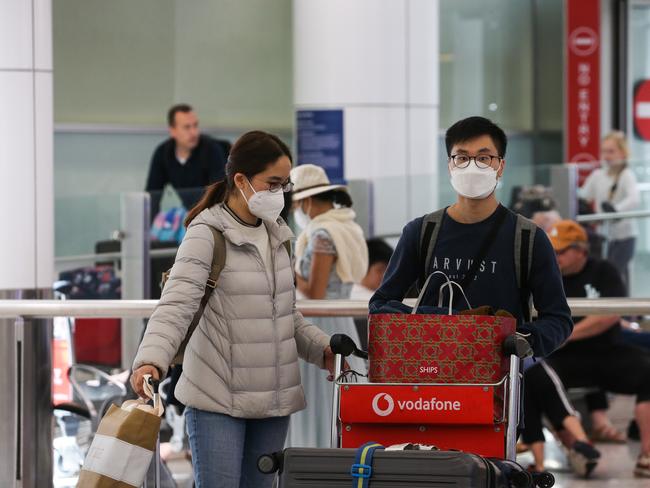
473 182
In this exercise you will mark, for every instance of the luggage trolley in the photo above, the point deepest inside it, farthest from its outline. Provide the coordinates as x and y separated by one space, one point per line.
477 418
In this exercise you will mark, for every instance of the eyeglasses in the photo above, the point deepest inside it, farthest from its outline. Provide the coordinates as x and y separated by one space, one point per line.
482 161
286 187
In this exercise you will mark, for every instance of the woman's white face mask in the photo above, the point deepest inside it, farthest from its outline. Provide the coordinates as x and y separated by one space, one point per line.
473 182
265 205
301 217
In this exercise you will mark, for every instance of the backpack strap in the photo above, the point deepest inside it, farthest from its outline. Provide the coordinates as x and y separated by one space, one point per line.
218 263
431 224
287 246
525 230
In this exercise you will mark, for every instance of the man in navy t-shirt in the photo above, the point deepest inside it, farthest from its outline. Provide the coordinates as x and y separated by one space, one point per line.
476 148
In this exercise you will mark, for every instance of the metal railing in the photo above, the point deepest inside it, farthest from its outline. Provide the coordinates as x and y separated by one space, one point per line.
602 217
309 308
112 256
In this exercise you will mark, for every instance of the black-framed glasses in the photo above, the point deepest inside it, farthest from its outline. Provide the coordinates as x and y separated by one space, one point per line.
286 187
482 161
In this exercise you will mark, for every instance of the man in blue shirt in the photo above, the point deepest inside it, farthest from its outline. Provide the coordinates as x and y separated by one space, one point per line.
478 229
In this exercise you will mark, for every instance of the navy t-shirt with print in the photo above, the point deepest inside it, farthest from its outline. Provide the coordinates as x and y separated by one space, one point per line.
495 283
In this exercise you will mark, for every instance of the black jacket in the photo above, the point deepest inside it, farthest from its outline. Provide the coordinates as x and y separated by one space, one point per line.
205 165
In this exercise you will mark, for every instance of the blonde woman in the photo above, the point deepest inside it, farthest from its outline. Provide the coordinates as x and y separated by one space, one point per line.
613 188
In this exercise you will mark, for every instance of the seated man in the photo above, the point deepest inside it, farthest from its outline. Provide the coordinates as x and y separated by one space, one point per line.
594 355
379 254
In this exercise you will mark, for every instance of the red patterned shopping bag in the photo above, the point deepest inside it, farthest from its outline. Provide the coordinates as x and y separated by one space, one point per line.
425 348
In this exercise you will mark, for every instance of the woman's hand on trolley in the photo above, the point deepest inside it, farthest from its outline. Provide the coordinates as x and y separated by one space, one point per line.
137 378
329 358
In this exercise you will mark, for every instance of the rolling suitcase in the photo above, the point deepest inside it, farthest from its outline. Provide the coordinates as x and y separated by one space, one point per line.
303 468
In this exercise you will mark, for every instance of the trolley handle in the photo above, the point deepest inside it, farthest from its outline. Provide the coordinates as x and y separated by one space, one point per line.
345 346
517 345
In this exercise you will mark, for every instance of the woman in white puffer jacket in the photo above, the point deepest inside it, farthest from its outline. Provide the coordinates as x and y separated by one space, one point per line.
240 379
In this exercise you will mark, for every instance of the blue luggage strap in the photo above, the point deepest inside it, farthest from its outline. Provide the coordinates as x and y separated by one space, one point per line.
361 470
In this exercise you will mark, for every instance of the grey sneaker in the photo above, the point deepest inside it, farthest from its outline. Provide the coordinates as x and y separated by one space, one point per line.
583 458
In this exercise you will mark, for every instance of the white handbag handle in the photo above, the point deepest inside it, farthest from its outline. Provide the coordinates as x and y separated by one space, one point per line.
451 294
449 283
157 408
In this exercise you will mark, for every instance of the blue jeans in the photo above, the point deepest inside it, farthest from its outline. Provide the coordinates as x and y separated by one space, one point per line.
225 449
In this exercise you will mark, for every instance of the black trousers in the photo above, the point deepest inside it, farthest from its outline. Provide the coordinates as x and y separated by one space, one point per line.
544 396
616 368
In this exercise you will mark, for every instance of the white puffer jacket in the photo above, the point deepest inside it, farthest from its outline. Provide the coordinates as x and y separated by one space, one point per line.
242 359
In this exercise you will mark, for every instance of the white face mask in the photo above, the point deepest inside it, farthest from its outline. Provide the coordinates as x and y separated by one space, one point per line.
472 182
302 218
265 205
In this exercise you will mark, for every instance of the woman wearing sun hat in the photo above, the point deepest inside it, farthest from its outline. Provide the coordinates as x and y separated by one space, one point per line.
331 255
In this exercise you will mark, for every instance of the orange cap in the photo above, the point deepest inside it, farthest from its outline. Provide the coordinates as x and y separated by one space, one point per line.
566 233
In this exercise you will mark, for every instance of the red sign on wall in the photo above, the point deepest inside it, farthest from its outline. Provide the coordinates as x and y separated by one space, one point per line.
582 80
641 110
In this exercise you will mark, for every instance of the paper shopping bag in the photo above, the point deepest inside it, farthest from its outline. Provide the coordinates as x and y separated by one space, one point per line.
123 446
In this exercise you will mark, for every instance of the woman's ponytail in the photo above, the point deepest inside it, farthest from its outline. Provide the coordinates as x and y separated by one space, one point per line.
215 193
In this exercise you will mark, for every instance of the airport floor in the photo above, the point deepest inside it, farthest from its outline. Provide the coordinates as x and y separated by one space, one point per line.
615 468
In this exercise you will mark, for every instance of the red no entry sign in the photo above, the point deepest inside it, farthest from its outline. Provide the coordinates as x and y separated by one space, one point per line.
641 110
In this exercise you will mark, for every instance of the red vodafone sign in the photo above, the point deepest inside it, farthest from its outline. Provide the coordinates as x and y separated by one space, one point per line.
641 110
582 84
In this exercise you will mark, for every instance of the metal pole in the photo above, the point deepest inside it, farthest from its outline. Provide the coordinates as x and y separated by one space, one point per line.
336 395
514 389
135 266
26 398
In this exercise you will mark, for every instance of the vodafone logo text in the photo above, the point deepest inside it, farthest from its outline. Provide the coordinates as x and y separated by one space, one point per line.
383 405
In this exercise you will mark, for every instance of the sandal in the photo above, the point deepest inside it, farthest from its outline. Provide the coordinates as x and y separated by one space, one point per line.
608 434
642 468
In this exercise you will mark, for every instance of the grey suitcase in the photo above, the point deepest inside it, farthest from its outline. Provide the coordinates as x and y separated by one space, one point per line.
331 468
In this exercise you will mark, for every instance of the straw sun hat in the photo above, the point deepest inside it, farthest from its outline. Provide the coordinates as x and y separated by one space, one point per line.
309 180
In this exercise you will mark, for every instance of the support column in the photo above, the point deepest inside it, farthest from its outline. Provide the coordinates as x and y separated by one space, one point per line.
27 243
377 61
